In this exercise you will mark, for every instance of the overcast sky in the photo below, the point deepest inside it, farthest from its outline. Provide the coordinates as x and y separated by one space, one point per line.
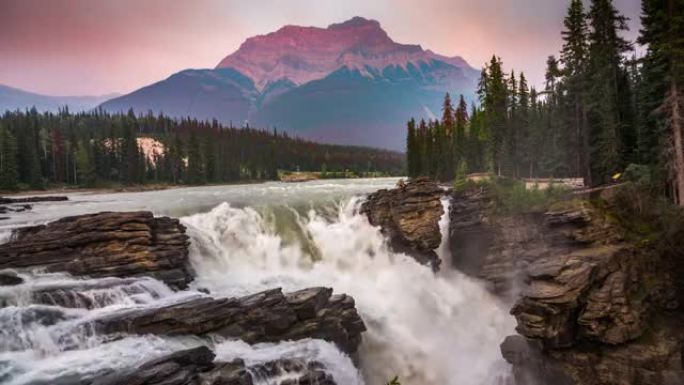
74 47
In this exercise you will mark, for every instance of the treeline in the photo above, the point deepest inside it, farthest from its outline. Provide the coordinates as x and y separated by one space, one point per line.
98 148
601 109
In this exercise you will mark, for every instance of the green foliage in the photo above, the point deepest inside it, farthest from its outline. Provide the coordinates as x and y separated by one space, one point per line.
513 197
101 149
598 113
9 176
394 381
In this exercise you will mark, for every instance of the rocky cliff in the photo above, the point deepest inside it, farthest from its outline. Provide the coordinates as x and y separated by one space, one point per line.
409 217
104 245
593 306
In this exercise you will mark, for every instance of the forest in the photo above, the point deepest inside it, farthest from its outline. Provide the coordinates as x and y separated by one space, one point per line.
96 148
603 112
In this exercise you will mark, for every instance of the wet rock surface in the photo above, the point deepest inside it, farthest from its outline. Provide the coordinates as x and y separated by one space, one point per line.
269 316
198 366
39 198
409 217
10 278
108 244
592 308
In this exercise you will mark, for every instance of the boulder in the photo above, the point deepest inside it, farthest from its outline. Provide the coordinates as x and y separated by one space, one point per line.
10 278
269 316
409 217
107 244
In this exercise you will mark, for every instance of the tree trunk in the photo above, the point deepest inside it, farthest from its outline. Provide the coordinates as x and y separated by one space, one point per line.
676 123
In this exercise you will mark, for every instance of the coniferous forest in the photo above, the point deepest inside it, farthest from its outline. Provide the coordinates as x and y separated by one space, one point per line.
99 149
602 111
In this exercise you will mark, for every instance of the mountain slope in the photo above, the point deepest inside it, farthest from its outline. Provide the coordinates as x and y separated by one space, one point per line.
348 83
222 94
15 99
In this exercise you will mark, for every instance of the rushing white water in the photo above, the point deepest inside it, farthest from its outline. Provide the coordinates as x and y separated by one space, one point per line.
425 328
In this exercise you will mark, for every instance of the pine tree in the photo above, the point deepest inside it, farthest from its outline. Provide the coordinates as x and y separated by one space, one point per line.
195 164
605 122
412 150
459 137
425 148
445 139
574 58
85 165
496 107
662 87
9 176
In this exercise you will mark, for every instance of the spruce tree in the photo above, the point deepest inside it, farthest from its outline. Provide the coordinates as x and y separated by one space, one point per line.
605 122
574 58
459 140
9 176
662 86
195 164
412 150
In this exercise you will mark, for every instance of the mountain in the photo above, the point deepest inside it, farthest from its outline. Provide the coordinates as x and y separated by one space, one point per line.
349 83
16 99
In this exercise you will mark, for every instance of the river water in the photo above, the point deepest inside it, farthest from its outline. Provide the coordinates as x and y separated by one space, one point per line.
428 329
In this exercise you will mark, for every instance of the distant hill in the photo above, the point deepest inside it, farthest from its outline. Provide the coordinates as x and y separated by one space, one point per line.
15 99
349 83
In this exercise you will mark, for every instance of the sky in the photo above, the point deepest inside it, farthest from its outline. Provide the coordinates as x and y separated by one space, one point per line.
96 47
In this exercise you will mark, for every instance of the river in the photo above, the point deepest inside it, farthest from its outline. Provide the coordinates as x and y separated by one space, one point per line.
425 328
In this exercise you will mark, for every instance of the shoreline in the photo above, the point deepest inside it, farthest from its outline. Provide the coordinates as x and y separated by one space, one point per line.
149 187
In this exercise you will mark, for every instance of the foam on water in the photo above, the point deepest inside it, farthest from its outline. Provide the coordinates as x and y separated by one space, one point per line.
427 329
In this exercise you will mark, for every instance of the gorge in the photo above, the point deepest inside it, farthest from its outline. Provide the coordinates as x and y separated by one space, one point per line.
322 283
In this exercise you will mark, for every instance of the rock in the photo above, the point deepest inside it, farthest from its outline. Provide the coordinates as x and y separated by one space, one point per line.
592 308
45 198
15 208
107 244
409 217
10 278
182 367
269 316
197 366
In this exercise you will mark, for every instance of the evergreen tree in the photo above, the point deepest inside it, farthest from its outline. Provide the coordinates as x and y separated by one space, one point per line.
459 137
195 164
9 176
574 58
496 107
605 122
662 85
413 154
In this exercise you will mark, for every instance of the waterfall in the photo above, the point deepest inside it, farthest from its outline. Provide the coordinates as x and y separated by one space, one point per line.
427 329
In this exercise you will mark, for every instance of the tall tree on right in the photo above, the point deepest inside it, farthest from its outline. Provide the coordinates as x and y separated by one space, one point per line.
662 87
606 120
574 58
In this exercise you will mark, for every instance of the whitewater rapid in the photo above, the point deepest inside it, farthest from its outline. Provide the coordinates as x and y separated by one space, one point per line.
425 328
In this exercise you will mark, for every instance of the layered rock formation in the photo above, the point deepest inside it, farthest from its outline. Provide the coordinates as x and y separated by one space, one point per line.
593 307
409 217
269 316
197 366
104 245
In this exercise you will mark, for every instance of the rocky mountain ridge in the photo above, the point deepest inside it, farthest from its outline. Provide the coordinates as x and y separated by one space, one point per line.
349 83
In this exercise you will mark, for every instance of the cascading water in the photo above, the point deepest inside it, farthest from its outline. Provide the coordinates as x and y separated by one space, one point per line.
425 328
